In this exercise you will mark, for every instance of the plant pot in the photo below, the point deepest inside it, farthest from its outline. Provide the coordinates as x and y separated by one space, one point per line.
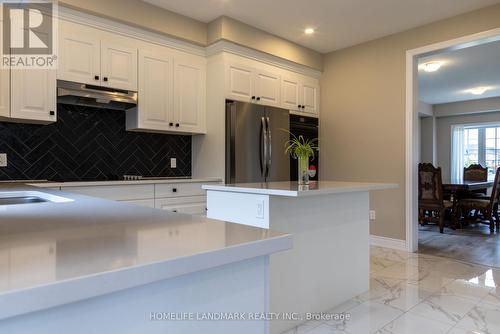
303 170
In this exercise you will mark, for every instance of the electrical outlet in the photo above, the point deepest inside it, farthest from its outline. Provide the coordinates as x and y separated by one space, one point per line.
3 159
373 215
173 163
260 209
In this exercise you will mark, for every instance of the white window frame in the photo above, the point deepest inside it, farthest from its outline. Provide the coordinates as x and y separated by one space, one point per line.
481 138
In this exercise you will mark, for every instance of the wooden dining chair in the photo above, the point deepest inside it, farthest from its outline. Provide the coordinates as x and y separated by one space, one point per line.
488 208
478 173
431 203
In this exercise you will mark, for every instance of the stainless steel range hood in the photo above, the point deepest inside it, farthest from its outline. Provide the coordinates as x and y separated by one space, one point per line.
95 96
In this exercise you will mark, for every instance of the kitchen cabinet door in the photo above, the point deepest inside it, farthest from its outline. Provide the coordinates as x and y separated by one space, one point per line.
33 95
310 97
267 88
79 54
155 103
239 82
190 94
290 94
118 66
4 81
4 93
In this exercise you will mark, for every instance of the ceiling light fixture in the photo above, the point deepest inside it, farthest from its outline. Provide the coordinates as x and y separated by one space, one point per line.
309 31
478 90
431 66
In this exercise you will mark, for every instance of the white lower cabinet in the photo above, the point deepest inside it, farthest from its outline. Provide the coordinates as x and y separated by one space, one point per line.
148 203
188 197
195 205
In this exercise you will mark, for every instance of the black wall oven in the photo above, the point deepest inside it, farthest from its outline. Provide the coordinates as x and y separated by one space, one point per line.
307 127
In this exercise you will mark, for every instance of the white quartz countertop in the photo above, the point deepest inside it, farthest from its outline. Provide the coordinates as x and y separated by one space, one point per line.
292 189
49 184
57 253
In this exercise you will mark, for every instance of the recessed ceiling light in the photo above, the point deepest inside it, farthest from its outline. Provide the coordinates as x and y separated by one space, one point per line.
478 90
431 66
309 31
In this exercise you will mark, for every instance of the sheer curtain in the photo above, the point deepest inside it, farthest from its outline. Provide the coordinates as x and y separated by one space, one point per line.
457 153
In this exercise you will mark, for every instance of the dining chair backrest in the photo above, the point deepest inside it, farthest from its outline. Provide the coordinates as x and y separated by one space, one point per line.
495 192
430 184
476 172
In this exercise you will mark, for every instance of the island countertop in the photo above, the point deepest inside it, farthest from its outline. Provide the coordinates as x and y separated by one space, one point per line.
293 189
54 253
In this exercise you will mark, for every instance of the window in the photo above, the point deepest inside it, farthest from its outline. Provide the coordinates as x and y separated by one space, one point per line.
481 145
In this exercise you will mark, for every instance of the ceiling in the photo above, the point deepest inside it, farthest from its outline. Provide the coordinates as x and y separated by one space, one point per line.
461 70
338 23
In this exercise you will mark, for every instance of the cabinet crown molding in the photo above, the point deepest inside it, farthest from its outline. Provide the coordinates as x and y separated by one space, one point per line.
243 51
93 21
101 23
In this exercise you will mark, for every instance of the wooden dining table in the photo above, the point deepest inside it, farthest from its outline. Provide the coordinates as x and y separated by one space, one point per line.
458 190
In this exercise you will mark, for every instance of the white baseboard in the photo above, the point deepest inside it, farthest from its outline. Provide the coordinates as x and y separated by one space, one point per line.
398 244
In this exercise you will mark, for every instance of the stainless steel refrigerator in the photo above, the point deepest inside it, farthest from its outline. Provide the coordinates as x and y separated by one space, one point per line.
255 143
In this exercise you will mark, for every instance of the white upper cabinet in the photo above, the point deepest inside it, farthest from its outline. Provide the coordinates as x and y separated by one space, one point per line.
4 93
118 66
251 84
267 88
290 93
172 92
255 82
300 94
33 95
310 97
190 94
79 54
240 82
155 109
95 57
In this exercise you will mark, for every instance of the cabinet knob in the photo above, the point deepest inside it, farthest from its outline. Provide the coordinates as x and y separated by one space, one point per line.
105 79
52 113
174 190
253 97
170 124
303 107
258 98
96 77
177 125
174 210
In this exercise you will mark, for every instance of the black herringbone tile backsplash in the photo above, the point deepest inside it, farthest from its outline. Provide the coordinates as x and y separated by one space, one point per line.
87 144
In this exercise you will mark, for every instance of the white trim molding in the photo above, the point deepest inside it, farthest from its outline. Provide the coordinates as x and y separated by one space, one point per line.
411 205
116 27
243 51
398 244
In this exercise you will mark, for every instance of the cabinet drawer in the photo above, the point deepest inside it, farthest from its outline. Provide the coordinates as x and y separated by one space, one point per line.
195 205
179 189
148 203
117 193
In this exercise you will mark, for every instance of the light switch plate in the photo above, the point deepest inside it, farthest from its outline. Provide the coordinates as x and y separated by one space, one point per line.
3 159
373 215
173 163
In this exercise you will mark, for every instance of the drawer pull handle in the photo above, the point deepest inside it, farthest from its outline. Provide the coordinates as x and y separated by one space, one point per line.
174 190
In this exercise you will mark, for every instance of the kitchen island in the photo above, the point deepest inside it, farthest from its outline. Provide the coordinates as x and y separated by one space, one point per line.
329 262
71 263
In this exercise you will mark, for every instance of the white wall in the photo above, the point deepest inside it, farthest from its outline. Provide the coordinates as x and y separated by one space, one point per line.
427 139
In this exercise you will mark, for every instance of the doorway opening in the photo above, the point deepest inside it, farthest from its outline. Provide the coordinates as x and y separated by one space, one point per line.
450 125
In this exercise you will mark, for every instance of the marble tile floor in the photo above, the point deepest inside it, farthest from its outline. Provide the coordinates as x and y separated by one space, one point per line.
473 243
419 293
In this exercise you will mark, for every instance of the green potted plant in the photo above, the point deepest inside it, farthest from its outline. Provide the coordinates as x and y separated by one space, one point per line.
301 149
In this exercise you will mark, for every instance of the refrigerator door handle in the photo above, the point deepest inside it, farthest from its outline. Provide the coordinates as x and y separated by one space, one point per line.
269 150
263 147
